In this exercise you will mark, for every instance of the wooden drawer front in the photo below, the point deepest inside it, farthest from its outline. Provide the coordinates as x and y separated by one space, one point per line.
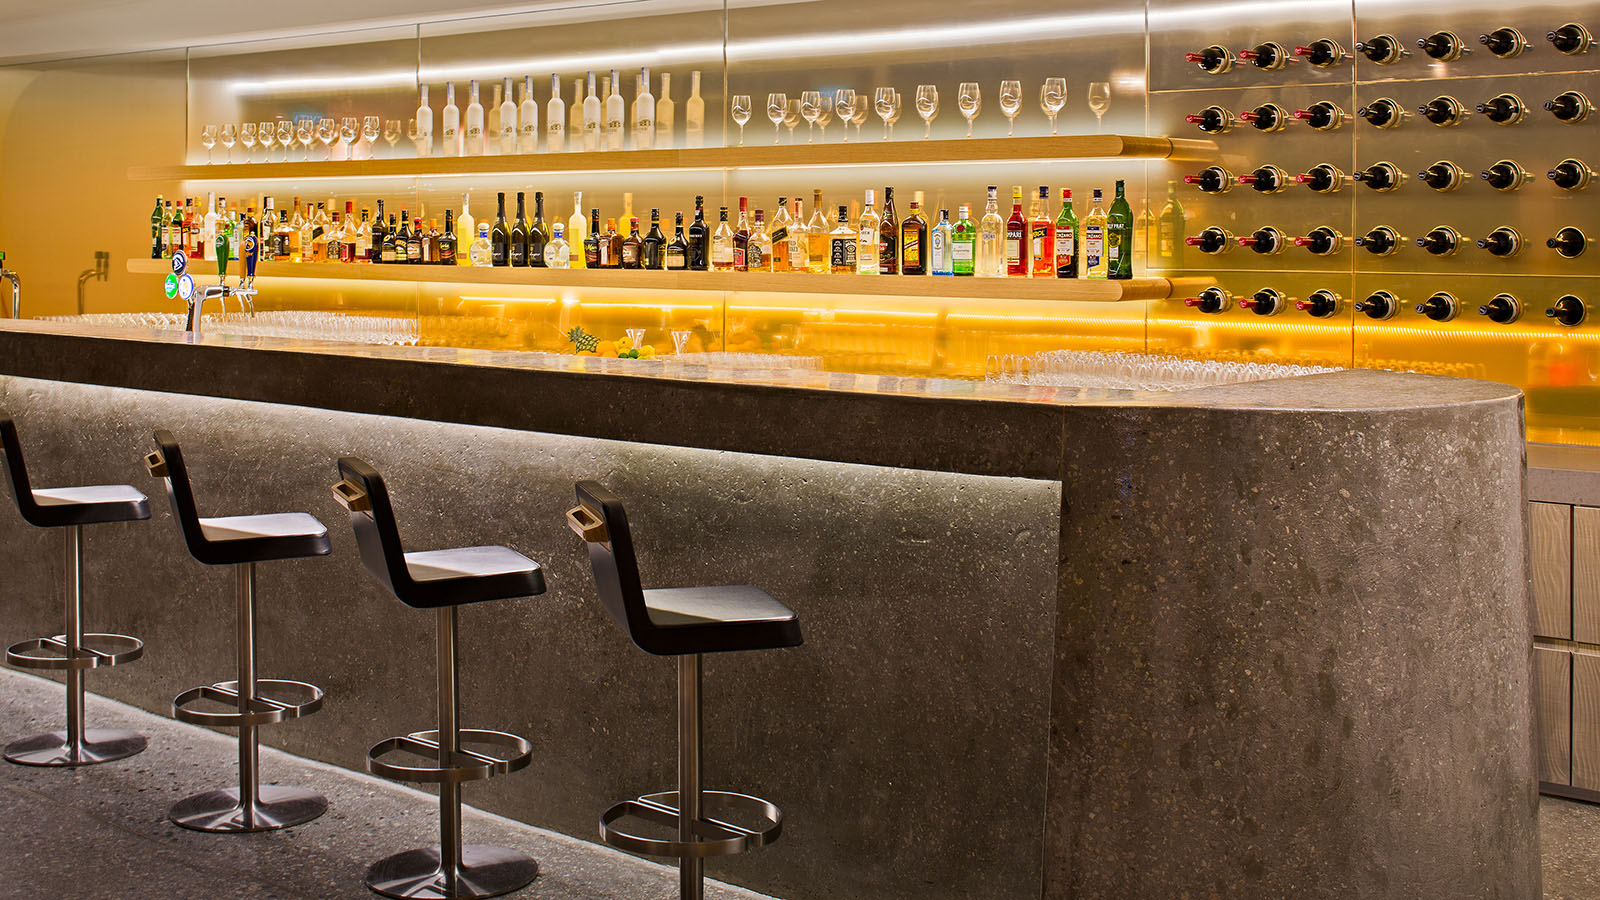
1550 542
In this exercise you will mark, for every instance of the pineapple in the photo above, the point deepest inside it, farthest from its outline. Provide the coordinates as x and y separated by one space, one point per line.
583 342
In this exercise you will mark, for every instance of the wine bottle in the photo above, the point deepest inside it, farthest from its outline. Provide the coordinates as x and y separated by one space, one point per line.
538 233
517 249
500 236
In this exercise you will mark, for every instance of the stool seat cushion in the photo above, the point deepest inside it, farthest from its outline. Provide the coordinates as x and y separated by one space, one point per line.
242 539
90 505
719 619
469 575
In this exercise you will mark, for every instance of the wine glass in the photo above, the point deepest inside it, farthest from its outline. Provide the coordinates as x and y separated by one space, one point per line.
863 109
1099 101
810 108
1053 96
927 107
1011 103
824 116
969 100
741 113
247 137
844 102
327 133
208 139
791 116
305 131
229 137
349 128
391 133
777 108
285 137
266 133
414 135
886 103
369 134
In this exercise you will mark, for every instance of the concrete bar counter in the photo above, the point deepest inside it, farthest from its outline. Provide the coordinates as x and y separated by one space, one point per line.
1262 640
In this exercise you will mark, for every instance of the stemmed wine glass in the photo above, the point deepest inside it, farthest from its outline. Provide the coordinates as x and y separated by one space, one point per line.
327 133
777 108
247 137
349 128
969 100
369 134
824 116
741 113
791 116
391 133
208 140
414 135
1053 96
1011 104
863 109
886 102
266 133
810 108
230 136
1099 101
844 101
305 132
927 107
285 137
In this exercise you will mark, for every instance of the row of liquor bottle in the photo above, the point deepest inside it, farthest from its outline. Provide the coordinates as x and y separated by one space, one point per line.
1506 42
1504 241
1444 176
1444 111
835 239
1504 308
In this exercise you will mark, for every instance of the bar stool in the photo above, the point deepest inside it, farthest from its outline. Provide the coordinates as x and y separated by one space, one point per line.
242 541
683 622
441 580
70 509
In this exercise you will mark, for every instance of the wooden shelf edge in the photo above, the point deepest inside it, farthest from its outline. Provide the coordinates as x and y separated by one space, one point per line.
1081 290
966 150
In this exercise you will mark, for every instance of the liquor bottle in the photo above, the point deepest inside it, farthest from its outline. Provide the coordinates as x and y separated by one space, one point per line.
1170 230
332 239
424 126
379 231
416 243
758 250
1094 239
633 246
1016 245
402 239
1042 237
677 253
627 205
575 128
208 227
450 127
482 252
555 118
1119 237
591 241
614 114
741 236
939 240
517 249
914 240
611 246
466 231
888 237
500 237
507 124
868 235
694 114
537 232
527 122
279 246
644 113
433 247
991 262
699 237
557 255
299 251
175 236
314 235
722 245
191 227
808 244
963 243
347 237
842 245
393 246
157 232
577 234
664 113
364 237
591 118
1066 238
778 256
475 138
491 112
655 243
163 225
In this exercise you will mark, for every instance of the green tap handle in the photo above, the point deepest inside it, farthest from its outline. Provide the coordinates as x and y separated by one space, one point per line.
222 256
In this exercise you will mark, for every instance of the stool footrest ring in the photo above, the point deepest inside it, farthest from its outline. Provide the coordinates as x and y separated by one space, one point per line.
468 765
717 837
276 700
96 652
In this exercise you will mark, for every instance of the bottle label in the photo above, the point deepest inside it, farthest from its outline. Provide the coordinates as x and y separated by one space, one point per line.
888 260
842 254
1013 248
779 235
1094 245
911 248
722 255
1113 246
676 258
630 256
753 258
473 132
939 251
962 251
613 125
557 129
1039 236
738 257
519 254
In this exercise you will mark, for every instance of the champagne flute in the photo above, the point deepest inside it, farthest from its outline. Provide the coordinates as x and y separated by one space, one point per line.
791 116
810 108
1011 104
777 108
883 102
1053 96
306 132
824 116
844 101
285 137
266 133
369 134
391 133
927 107
208 140
1099 101
230 136
247 137
969 100
741 113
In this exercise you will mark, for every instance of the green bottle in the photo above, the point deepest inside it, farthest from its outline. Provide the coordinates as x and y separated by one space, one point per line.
156 223
963 243
1066 238
1119 237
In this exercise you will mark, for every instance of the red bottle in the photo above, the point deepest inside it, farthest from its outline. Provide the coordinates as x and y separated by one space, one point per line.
1016 237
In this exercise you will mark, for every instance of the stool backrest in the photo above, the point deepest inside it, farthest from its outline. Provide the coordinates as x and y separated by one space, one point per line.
362 492
17 470
167 464
601 521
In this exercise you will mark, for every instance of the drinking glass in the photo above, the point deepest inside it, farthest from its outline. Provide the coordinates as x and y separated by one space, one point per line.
266 133
247 137
777 108
305 132
824 116
1011 103
791 116
680 337
230 136
862 110
886 103
1099 101
927 107
349 129
844 102
414 135
969 100
741 113
285 137
810 108
369 134
1053 96
327 133
208 139
391 133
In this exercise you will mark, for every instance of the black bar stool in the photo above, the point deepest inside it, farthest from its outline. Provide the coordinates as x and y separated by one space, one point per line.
242 541
441 580
71 508
682 622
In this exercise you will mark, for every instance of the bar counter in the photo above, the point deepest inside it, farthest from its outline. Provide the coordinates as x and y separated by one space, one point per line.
1258 640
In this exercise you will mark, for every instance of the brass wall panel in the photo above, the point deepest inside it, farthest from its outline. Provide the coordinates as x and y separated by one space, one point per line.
1586 574
1552 670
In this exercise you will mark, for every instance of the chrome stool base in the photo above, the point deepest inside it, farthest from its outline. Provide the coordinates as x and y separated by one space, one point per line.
99 745
484 872
220 812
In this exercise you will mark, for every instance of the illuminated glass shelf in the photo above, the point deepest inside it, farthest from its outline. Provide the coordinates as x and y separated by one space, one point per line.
753 156
1078 289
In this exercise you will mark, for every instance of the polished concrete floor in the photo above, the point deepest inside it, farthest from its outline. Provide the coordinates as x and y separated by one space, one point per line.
101 833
